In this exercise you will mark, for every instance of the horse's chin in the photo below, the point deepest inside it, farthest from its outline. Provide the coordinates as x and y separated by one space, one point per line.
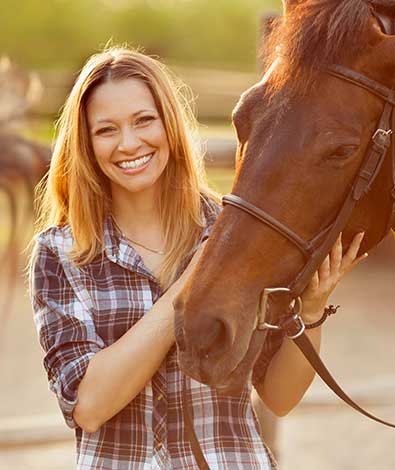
205 371
227 381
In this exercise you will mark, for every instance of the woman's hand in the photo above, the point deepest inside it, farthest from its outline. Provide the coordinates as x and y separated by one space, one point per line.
334 267
182 280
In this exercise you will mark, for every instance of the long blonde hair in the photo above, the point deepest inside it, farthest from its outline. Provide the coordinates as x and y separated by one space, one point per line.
76 192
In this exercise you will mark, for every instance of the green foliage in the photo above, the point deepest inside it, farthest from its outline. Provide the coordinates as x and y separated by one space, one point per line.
62 33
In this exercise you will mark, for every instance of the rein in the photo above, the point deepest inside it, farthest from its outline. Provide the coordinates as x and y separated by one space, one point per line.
316 249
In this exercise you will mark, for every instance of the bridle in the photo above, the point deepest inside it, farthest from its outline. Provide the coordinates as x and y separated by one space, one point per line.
315 250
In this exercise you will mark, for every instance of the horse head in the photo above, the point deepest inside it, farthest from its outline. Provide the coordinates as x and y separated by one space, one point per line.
303 134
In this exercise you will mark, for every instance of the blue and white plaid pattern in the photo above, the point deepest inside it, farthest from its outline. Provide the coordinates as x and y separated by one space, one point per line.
79 311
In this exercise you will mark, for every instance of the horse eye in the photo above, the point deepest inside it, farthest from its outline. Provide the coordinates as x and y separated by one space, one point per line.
343 152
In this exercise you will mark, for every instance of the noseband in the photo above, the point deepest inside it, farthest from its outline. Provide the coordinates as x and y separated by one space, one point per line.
317 248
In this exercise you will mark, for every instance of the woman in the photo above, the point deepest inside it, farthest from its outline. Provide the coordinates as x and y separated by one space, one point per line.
124 209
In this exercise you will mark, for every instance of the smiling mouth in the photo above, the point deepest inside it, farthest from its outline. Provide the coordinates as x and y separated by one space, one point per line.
136 163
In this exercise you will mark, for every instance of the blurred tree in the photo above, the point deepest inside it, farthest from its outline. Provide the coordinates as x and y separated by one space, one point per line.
61 33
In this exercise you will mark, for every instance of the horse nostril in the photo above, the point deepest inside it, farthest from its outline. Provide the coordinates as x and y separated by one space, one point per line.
180 339
214 340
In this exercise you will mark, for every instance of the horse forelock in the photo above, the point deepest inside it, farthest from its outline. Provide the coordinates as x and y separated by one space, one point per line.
313 35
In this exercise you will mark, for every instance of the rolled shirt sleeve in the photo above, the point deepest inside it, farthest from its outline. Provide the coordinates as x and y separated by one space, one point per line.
65 328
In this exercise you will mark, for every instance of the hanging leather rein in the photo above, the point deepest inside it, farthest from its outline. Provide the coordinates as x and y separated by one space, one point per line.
316 249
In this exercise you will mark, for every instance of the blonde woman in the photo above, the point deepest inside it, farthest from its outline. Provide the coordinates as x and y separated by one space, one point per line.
123 213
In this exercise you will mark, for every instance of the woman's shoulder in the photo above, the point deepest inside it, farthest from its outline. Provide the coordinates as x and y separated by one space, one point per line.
57 239
49 257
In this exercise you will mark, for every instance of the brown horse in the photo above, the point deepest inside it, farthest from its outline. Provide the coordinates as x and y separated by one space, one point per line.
22 164
303 135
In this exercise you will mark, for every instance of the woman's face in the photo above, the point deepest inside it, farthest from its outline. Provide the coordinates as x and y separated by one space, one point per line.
127 134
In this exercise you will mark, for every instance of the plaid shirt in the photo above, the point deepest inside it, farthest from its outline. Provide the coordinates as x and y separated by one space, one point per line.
79 311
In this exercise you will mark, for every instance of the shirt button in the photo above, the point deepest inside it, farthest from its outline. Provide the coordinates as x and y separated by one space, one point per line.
159 446
160 396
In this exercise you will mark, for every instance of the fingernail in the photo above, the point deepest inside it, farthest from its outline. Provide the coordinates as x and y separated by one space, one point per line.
362 234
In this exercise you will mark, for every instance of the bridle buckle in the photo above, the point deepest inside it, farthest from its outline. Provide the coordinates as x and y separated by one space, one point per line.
301 325
261 323
382 137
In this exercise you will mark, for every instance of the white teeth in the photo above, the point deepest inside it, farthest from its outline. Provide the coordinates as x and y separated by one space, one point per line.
135 163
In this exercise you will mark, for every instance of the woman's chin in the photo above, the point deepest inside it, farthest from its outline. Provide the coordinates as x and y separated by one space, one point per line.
142 182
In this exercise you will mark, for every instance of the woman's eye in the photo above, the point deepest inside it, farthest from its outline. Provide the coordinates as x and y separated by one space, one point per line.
104 130
141 121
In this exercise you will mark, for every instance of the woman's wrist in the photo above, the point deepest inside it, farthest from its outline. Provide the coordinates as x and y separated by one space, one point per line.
310 319
316 319
312 315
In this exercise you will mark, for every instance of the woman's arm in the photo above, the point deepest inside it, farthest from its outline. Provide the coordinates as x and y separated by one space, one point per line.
289 374
117 374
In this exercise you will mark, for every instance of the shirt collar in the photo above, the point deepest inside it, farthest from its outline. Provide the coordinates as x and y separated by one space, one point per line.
118 250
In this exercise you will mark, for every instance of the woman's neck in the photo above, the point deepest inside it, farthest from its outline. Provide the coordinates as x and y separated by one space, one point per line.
137 214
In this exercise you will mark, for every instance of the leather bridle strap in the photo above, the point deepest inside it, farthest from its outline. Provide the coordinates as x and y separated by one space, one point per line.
236 201
367 173
362 81
366 176
370 168
190 430
391 218
305 346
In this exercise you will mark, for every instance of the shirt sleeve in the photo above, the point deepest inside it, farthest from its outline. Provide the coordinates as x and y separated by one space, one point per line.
65 328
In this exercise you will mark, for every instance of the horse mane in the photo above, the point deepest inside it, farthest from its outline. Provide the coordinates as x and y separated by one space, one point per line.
313 35
389 4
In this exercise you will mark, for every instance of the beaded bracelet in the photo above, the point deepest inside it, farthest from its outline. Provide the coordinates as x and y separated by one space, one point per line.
331 310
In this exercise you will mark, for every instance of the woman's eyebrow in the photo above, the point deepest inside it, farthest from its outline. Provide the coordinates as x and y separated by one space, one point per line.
101 120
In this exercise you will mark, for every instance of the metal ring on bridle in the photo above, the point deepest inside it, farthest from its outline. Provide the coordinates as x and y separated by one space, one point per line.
261 323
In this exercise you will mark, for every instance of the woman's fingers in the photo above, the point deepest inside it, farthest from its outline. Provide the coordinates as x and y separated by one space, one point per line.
315 281
358 260
324 270
338 263
333 268
336 255
351 256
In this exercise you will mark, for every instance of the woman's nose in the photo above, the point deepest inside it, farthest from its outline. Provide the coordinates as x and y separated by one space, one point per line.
129 142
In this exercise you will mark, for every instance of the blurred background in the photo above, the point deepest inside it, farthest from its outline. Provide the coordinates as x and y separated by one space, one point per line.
212 46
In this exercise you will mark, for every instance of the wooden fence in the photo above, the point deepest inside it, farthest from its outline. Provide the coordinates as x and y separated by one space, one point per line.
216 91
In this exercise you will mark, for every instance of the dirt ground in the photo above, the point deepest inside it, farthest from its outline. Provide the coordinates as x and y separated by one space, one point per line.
320 434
